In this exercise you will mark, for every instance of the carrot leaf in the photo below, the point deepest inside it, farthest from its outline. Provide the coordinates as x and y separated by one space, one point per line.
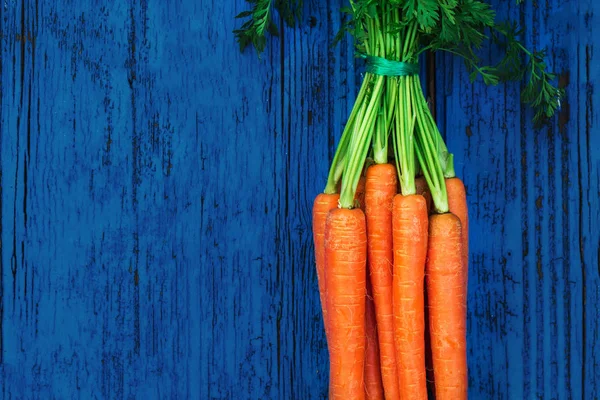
259 21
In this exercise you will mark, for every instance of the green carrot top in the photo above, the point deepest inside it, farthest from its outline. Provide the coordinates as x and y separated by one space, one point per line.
459 27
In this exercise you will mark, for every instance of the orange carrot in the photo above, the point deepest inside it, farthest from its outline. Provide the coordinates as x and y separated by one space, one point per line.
345 280
447 307
322 205
428 356
423 189
373 384
360 193
380 189
410 221
457 203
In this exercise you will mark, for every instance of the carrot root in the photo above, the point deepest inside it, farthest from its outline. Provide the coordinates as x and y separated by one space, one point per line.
380 189
359 196
373 383
410 221
423 189
345 280
457 203
322 205
447 307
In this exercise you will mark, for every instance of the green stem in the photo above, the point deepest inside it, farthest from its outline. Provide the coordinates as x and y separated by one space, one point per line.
360 146
395 144
409 42
337 165
394 43
405 117
404 137
391 103
389 16
427 153
380 139
446 158
381 39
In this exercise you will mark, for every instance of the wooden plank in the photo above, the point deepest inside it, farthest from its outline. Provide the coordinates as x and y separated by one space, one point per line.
318 90
534 247
157 189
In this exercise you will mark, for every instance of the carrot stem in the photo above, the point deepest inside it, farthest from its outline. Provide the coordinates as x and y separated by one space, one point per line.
380 138
427 152
446 158
405 123
359 146
339 159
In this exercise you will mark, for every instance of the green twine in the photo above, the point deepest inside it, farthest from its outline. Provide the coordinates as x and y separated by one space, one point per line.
383 66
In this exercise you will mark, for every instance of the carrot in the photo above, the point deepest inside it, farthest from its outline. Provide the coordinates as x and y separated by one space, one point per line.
380 189
360 193
428 356
410 222
322 205
373 383
457 203
345 279
447 307
423 189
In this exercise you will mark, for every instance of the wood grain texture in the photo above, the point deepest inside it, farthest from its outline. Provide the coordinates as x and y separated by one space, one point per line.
156 191
155 196
534 271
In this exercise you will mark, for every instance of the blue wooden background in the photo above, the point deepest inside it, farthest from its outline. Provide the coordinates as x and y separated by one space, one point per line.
156 191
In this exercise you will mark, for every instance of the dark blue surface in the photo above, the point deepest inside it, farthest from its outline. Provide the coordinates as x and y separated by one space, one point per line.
156 192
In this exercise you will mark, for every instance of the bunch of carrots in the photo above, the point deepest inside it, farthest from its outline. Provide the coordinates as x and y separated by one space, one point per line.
391 228
377 243
372 261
